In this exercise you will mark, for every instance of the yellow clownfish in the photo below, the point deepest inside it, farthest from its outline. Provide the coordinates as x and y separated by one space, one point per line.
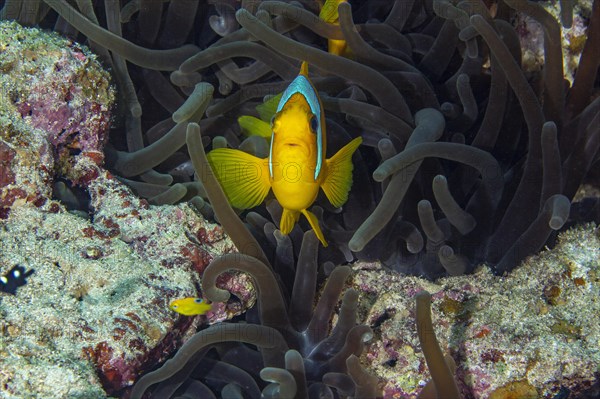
190 306
296 167
329 13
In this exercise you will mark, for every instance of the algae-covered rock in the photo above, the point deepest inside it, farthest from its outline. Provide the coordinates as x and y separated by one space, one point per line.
55 108
94 314
535 330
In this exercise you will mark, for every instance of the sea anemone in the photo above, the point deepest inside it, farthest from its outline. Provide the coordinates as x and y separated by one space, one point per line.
297 353
469 156
474 159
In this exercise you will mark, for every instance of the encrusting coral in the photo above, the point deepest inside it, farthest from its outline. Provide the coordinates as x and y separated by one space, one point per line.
55 112
536 328
96 308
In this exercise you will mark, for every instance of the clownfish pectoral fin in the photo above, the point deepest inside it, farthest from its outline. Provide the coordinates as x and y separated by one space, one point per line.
314 223
252 126
288 220
244 177
338 180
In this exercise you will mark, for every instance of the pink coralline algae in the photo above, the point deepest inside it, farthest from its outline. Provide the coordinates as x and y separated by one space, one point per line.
58 99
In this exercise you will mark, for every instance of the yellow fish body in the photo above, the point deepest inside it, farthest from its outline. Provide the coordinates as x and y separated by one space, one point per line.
296 167
190 306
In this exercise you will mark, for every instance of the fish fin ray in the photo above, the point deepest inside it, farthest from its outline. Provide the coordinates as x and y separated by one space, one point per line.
314 223
304 68
243 177
338 180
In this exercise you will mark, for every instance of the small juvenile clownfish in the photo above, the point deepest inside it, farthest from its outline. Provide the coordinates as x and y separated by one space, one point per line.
190 306
296 166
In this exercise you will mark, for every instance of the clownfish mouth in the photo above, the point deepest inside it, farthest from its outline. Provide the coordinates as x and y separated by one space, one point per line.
295 146
293 143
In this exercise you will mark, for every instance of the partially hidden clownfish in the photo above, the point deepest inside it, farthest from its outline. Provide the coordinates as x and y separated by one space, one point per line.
253 126
329 13
190 306
296 166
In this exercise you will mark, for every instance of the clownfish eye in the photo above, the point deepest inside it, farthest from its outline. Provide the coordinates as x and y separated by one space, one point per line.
314 124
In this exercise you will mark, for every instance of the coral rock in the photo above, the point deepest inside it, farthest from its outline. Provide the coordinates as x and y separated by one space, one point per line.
97 307
535 330
95 313
54 111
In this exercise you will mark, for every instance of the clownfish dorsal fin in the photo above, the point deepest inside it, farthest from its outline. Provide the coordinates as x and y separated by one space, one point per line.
304 68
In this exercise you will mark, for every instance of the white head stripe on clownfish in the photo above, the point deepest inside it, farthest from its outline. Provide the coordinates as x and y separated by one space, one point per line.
302 86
